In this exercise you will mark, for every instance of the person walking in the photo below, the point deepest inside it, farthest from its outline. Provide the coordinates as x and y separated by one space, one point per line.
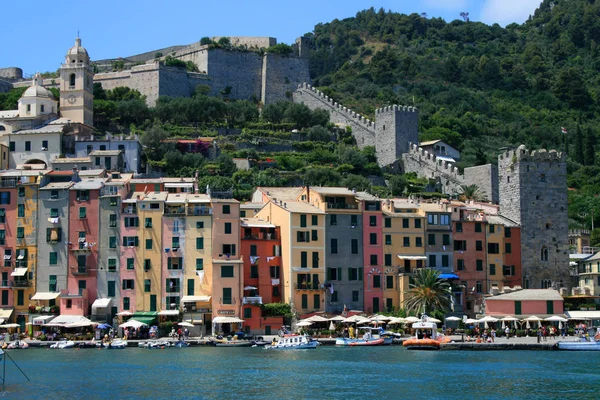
539 335
507 332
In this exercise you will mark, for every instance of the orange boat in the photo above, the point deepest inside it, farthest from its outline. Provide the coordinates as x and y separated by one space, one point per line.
426 336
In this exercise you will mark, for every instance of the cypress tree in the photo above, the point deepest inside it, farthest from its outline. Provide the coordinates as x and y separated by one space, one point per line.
578 156
589 155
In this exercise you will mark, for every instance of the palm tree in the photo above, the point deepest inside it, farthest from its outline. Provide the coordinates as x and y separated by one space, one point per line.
471 192
427 292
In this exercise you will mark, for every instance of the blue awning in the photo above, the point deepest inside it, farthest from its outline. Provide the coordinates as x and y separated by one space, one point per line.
449 276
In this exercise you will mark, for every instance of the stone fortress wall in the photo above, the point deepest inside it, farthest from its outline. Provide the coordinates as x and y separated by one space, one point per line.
533 193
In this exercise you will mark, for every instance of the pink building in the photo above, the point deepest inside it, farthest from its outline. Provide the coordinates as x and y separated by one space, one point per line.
8 234
525 302
373 272
84 222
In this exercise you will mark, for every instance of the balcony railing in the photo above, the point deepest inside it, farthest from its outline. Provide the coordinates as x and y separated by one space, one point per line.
8 183
79 270
130 210
20 283
261 236
227 300
252 300
199 211
173 289
308 286
342 206
175 210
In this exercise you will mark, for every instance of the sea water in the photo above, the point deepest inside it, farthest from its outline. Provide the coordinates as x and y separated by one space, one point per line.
328 372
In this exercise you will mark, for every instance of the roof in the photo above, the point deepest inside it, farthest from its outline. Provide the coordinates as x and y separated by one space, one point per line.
77 49
155 196
256 223
339 191
65 160
366 196
58 185
60 121
500 220
23 172
89 184
106 152
430 142
177 198
232 201
146 180
251 206
91 172
9 114
528 294
299 207
36 90
433 207
281 193
46 129
583 315
198 198
179 180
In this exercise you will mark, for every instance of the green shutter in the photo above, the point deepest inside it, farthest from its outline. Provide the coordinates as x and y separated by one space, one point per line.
518 308
549 307
304 301
190 287
200 243
199 264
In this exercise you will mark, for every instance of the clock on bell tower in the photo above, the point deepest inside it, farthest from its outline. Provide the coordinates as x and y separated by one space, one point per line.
77 86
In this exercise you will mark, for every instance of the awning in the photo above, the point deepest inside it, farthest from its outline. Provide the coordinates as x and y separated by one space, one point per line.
168 312
179 184
42 319
5 313
403 257
583 315
448 276
19 272
193 299
145 320
226 320
145 314
45 296
66 319
101 303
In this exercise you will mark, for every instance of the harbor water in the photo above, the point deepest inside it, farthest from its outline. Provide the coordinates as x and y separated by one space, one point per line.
325 373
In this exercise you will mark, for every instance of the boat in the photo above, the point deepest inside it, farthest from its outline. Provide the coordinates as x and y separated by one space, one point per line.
17 344
233 343
157 344
372 337
293 342
426 336
63 344
115 344
582 345
181 344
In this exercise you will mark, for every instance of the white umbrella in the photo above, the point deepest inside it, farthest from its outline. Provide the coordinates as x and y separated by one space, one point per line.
125 313
412 319
380 318
395 321
488 318
356 319
250 288
556 318
509 318
186 324
10 326
453 319
304 323
337 318
471 321
132 323
532 318
316 318
434 320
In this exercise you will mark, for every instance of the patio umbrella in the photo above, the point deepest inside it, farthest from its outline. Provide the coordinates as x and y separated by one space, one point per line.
470 321
488 318
103 326
556 318
532 318
453 319
10 326
304 323
250 288
316 318
380 318
356 319
125 313
186 324
395 321
434 320
337 318
412 319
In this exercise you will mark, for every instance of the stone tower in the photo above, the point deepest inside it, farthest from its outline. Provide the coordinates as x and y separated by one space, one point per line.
533 193
395 127
77 86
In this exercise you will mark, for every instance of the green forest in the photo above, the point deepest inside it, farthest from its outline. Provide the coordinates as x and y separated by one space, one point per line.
479 87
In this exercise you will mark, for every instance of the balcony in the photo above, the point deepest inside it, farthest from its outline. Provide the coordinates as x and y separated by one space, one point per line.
20 283
8 182
199 211
175 210
173 289
5 284
308 286
130 210
252 300
80 270
261 236
227 300
342 206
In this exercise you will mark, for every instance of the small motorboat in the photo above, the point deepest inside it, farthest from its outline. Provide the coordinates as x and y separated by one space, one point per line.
293 342
115 344
63 344
17 344
234 343
181 344
372 337
426 336
583 345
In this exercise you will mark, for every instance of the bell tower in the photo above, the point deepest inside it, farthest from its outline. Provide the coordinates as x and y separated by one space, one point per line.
77 86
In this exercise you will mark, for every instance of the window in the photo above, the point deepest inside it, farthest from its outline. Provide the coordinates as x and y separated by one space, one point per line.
112 220
542 177
493 248
432 261
83 195
334 246
314 235
175 263
82 212
354 246
507 248
376 281
111 288
148 223
389 282
131 222
334 274
227 271
406 241
130 263
333 219
479 287
20 297
387 222
199 243
5 297
229 249
21 210
460 245
387 259
479 265
199 264
2 237
477 226
53 258
52 283
28 145
315 220
303 236
148 264
315 259
227 299
148 244
478 245
112 265
492 228
304 301
446 240
507 232
21 192
20 232
226 209
419 241
247 312
112 242
445 260
11 146
2 215
355 295
355 274
508 270
373 238
372 220
227 228
459 227
199 224
254 271
302 220
354 220
44 142
417 223
405 222
460 264
4 198
373 259
543 251
388 240
431 239
175 242
128 284
253 250
492 269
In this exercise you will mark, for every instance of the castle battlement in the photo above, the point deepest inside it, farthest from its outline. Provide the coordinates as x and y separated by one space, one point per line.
433 162
395 108
536 156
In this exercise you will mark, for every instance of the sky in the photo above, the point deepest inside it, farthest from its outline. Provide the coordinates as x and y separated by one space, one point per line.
37 37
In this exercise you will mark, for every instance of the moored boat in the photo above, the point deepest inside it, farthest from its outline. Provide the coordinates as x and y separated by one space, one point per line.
293 342
115 344
63 344
17 344
426 336
584 345
372 337
234 343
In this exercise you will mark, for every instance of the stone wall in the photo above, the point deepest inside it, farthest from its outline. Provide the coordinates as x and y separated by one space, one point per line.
281 75
252 42
396 127
533 193
486 178
12 73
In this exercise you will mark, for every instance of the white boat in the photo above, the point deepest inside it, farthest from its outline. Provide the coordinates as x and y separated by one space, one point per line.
372 337
17 344
293 342
63 344
426 336
115 344
582 345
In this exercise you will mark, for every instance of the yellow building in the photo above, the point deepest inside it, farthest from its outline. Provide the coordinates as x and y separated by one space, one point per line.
302 252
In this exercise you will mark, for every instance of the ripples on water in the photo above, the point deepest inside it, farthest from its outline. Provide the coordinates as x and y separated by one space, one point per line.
375 373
